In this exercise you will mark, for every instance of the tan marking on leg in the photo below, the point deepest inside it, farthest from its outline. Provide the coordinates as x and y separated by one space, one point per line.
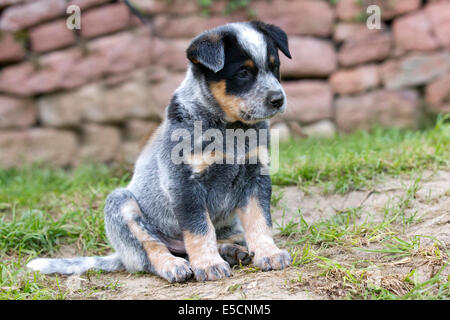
202 249
158 254
258 236
204 256
257 233
230 105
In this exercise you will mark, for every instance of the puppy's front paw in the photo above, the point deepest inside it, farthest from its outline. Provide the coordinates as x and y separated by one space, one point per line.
275 260
212 271
176 270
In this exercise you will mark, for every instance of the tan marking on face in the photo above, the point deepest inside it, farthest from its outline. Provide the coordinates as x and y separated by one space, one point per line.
230 105
272 59
202 248
258 234
157 253
249 64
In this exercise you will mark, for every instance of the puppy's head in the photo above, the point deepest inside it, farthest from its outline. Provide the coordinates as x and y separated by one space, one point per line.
240 67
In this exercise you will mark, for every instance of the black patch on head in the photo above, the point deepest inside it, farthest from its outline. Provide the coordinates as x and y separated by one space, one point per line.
239 71
276 34
272 53
208 50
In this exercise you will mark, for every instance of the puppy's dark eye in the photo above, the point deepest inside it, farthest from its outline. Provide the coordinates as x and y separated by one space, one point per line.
244 74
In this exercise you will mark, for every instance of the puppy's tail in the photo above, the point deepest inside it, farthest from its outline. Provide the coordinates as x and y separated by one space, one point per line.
76 266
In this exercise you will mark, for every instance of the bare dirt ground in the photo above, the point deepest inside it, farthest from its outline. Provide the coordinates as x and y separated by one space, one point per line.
431 203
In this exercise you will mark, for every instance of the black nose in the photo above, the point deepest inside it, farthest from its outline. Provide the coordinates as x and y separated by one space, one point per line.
275 99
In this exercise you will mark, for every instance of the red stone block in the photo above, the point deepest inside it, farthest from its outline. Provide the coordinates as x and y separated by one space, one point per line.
84 4
188 26
355 80
13 79
10 49
121 52
350 31
6 3
414 69
354 10
105 19
374 48
50 36
308 101
170 53
387 108
56 147
54 69
16 113
179 7
160 93
414 32
311 57
31 13
308 17
437 94
439 15
99 143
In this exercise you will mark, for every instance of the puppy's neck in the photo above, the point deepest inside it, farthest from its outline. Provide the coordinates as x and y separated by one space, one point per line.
195 98
190 92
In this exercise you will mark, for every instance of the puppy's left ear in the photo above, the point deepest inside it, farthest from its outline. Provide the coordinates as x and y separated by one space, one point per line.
276 34
208 50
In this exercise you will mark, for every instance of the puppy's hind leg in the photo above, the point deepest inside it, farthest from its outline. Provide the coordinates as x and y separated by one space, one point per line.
137 242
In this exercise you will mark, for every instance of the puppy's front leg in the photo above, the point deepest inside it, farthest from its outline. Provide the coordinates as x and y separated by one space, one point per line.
199 234
258 234
201 247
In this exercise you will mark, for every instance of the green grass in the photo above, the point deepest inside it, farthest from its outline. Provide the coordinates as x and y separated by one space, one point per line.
357 283
349 162
348 227
355 230
43 209
42 186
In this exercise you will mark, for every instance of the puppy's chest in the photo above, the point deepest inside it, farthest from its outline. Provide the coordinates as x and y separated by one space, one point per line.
228 187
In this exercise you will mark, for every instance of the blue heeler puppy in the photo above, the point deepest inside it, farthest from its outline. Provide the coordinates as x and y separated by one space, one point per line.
198 217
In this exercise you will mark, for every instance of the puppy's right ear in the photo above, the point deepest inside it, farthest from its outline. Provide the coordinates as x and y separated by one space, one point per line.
276 34
209 51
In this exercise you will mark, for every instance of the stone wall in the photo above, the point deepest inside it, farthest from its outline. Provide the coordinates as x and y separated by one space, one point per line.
95 92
